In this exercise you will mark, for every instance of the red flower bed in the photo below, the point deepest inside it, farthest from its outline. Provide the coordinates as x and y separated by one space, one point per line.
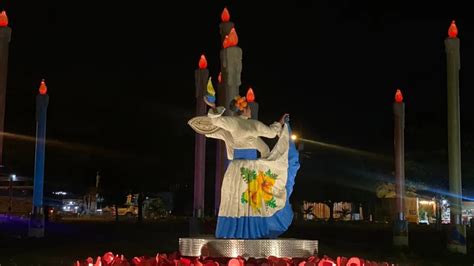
175 259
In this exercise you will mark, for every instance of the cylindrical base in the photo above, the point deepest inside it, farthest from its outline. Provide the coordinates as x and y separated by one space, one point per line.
457 238
400 231
36 225
254 248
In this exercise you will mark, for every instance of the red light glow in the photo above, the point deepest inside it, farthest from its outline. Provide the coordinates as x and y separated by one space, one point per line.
225 16
43 89
250 95
3 19
398 96
202 62
354 261
226 42
231 40
453 30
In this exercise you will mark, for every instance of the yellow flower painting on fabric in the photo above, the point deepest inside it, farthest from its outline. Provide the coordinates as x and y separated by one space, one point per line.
260 188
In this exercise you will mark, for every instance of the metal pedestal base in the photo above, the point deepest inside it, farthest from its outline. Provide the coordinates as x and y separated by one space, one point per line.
258 248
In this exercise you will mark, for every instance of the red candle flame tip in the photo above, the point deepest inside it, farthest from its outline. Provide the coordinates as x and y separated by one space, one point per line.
250 95
3 19
398 96
225 16
43 89
453 30
203 62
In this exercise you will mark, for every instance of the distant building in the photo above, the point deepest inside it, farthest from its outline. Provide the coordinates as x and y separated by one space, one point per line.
16 193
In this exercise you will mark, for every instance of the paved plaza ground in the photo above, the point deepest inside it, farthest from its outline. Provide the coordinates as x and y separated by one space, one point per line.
73 239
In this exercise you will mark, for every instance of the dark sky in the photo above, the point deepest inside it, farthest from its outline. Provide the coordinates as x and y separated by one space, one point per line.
121 78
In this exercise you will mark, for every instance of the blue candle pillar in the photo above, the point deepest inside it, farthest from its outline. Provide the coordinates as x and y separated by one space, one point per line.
36 226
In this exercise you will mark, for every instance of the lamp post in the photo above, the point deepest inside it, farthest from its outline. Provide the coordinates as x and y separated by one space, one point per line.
36 225
457 232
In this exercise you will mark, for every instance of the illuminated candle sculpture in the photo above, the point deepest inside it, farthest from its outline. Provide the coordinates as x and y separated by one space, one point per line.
201 78
5 34
231 65
250 96
231 60
231 68
400 237
457 236
36 225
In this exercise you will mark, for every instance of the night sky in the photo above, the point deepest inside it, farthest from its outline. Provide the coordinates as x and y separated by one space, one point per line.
121 80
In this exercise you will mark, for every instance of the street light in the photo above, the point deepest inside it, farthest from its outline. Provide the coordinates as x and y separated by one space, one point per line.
294 137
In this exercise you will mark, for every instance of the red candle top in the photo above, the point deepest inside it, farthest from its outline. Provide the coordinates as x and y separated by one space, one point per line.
3 19
398 96
43 89
202 62
231 40
225 16
453 30
250 95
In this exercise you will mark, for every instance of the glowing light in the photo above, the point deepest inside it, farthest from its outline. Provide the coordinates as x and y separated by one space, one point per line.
219 78
453 30
355 261
225 16
231 40
202 62
43 89
398 96
328 262
234 39
294 137
109 258
426 202
226 42
13 176
98 262
3 19
234 262
250 95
